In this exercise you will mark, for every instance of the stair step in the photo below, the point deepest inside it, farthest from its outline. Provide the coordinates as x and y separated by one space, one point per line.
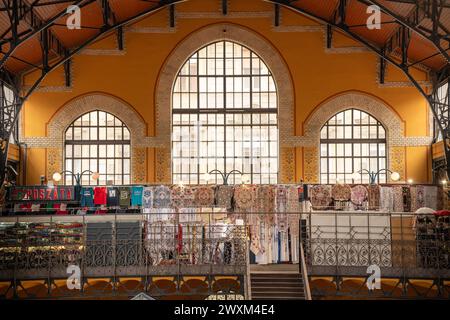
277 286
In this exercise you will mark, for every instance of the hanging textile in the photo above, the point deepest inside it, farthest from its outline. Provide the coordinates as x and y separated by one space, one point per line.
147 198
374 196
224 196
244 197
406 193
265 203
162 197
177 196
359 195
387 199
204 196
431 197
398 198
281 198
341 194
417 198
320 197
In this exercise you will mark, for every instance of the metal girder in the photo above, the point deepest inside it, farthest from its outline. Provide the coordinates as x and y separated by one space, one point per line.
21 11
47 66
434 37
338 22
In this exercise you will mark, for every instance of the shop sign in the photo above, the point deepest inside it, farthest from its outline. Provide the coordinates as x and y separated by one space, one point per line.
38 193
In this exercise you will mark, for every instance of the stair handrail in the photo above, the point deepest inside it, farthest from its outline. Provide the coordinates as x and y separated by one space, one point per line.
304 273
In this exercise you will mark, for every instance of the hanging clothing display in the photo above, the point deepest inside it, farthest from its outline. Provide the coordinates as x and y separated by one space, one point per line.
320 197
112 197
417 197
100 196
124 196
431 197
177 196
87 197
162 197
265 203
374 196
359 195
136 195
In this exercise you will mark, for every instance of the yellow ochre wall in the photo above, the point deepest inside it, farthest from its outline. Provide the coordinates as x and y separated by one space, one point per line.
317 76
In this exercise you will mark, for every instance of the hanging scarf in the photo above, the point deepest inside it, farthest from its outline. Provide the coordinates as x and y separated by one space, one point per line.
398 199
406 193
244 197
387 199
417 198
374 196
265 203
281 198
224 196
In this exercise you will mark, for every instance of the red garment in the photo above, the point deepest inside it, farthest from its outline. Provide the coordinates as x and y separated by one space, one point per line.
25 207
180 239
100 196
442 213
101 211
60 209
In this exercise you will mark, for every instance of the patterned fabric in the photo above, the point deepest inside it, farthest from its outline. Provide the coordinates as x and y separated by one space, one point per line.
387 199
265 203
204 196
224 196
417 198
359 195
147 197
281 198
182 196
244 197
406 193
398 199
293 205
374 196
320 197
341 192
162 197
431 197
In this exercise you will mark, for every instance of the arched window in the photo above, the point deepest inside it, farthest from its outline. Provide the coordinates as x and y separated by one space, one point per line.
100 142
224 110
352 140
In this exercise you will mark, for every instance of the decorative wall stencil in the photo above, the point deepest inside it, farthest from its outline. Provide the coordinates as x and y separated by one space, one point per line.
287 168
139 165
311 164
397 161
54 161
162 174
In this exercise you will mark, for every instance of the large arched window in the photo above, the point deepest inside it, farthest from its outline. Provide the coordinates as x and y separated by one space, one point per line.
100 142
352 140
224 110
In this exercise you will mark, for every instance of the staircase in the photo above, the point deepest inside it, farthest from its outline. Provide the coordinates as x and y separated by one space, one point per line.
277 286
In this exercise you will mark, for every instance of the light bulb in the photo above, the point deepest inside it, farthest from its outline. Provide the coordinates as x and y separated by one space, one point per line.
95 176
57 176
395 176
410 181
444 182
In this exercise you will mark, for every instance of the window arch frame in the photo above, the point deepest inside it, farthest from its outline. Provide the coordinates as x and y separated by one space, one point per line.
99 140
368 139
225 110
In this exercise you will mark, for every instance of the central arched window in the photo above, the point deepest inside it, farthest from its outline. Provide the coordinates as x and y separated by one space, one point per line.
352 140
224 111
100 142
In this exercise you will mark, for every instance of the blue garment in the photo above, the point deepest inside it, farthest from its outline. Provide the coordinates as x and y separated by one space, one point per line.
87 197
136 196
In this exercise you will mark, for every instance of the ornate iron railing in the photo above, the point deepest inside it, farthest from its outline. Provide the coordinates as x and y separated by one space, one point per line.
400 244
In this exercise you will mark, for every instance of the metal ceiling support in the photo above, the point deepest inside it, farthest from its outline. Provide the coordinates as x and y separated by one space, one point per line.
172 16
120 44
224 7
12 110
68 73
21 11
434 36
338 22
277 15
